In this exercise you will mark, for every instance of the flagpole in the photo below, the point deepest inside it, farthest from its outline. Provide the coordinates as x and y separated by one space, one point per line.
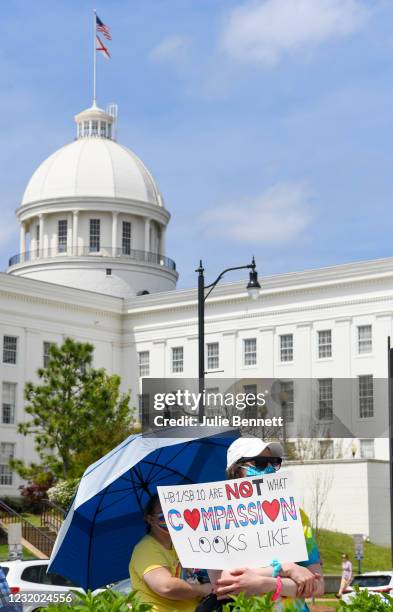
94 56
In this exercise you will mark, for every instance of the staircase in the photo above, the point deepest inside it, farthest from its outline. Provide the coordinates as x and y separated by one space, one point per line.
39 540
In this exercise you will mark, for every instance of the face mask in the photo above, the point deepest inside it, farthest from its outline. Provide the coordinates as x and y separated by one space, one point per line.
252 470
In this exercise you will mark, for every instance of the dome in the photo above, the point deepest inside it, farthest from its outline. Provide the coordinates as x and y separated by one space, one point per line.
92 167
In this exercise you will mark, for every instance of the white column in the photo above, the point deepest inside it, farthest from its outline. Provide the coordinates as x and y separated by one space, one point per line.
22 242
147 234
69 234
114 233
162 240
75 218
41 231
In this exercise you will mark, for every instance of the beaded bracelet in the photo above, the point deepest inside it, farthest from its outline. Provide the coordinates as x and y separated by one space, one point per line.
276 565
277 592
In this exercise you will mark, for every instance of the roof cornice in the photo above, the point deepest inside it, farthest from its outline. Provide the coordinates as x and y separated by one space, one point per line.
89 203
281 284
35 290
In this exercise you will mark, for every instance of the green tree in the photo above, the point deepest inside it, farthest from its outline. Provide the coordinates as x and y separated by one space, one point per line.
77 413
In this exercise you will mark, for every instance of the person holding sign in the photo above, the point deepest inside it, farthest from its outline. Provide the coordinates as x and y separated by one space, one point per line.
155 569
252 457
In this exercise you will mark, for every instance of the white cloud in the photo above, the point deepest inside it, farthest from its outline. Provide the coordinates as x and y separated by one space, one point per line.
278 215
173 49
265 30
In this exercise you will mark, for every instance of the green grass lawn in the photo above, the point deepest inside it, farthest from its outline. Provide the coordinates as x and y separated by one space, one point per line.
34 519
333 544
4 553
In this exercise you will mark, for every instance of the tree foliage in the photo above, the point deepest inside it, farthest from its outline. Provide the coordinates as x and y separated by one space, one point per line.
77 413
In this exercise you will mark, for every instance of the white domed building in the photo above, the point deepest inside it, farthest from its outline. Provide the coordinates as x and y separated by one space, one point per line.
92 217
92 265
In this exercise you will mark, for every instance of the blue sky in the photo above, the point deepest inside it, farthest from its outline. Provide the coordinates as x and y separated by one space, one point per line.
268 124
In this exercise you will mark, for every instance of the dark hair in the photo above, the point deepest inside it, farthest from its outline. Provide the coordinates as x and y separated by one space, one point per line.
235 471
148 509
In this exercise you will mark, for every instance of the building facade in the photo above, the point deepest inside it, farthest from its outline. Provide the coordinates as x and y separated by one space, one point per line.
92 265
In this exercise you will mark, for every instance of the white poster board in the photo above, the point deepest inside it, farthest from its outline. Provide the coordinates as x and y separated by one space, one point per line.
246 522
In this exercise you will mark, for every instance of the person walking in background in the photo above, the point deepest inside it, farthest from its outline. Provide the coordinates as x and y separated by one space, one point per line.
346 576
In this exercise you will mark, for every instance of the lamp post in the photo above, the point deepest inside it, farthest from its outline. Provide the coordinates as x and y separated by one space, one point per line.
253 288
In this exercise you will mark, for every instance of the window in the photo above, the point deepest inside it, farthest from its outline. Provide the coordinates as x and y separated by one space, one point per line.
250 351
366 396
213 356
109 130
325 404
287 401
85 128
46 353
365 341
326 449
37 236
367 450
94 128
325 343
286 347
126 238
213 400
62 236
144 363
177 359
8 402
10 344
143 405
102 129
94 235
6 453
251 409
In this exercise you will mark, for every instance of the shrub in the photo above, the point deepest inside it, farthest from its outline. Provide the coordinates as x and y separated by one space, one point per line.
363 601
241 603
19 504
63 492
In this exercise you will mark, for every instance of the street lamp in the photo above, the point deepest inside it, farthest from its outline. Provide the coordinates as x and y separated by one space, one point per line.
253 289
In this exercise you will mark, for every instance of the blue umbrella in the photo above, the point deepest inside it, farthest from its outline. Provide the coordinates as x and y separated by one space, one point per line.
105 520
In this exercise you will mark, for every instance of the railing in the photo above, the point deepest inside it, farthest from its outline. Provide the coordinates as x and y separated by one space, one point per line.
52 516
133 254
40 540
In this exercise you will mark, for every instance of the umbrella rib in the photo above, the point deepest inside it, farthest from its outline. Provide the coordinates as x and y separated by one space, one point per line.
152 467
139 500
113 503
117 491
174 472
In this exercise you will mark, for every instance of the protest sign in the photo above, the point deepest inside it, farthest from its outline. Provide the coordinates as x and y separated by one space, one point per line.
246 522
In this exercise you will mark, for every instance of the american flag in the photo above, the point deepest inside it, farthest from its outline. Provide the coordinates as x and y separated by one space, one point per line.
101 47
101 27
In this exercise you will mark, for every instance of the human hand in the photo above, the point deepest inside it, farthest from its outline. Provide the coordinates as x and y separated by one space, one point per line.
242 580
306 581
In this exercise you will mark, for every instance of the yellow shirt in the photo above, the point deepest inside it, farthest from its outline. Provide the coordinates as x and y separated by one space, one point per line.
149 554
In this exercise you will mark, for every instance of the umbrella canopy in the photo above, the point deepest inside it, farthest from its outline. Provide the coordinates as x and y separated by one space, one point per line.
105 520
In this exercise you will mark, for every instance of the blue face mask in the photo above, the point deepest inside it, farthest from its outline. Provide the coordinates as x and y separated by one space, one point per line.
254 471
